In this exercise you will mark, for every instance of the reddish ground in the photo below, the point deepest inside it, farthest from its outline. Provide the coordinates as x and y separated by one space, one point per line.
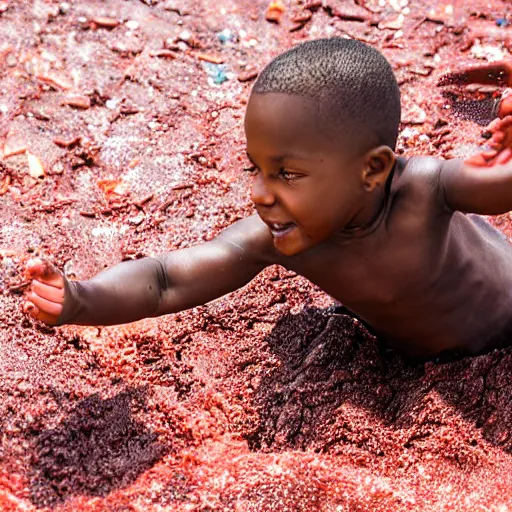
264 400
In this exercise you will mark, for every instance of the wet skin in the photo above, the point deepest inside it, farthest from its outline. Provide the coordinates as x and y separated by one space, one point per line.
384 236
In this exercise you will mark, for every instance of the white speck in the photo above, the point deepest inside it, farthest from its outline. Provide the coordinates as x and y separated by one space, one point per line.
111 104
185 35
104 231
488 52
132 24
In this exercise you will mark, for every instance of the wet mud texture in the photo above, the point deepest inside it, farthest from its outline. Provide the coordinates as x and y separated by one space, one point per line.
122 137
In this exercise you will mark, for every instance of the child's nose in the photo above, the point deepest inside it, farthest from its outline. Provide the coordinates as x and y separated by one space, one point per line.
260 193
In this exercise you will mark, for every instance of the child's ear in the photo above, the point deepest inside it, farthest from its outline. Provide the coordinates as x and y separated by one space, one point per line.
379 162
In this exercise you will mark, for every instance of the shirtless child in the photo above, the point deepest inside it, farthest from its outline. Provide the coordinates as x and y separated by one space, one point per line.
386 236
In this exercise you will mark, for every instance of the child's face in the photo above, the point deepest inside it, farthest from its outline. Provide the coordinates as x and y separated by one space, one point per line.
306 186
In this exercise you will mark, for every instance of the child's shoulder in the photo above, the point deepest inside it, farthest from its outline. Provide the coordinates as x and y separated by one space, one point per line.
419 176
417 184
418 170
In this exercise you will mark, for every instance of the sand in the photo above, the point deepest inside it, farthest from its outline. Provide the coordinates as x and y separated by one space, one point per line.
122 139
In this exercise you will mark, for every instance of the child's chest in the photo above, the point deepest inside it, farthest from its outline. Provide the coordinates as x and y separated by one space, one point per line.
397 263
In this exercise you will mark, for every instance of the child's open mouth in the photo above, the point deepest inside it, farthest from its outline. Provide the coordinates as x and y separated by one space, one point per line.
279 230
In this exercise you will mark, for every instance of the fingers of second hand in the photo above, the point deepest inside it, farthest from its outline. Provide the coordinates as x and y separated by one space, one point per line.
476 161
505 106
503 157
47 319
47 291
49 307
30 309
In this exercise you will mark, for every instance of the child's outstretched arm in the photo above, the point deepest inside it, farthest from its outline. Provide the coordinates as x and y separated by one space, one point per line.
475 189
150 287
483 183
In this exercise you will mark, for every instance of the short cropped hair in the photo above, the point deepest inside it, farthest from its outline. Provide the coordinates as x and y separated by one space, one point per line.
351 83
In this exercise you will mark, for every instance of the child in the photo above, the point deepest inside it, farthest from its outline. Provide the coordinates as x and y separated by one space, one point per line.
386 236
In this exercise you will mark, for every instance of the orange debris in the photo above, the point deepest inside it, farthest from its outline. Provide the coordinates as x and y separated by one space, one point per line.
210 58
112 187
275 11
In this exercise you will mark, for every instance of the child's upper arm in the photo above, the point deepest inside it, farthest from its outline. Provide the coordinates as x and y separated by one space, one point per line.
202 273
470 189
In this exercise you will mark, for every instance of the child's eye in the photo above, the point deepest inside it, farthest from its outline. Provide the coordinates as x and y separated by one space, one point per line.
286 175
251 170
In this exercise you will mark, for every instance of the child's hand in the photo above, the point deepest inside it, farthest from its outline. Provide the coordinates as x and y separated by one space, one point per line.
45 299
498 149
499 146
497 73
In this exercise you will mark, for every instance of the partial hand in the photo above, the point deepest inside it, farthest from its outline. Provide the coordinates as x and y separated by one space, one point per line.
45 299
498 149
497 73
499 146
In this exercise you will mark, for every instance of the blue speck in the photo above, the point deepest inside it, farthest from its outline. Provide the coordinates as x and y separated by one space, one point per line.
217 72
502 22
225 36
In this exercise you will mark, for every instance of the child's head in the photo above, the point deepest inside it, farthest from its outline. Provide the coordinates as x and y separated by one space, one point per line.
324 117
351 84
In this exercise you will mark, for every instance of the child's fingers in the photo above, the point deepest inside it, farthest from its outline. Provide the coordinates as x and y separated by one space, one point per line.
477 160
503 157
494 125
45 306
44 271
496 141
48 292
47 319
505 103
30 309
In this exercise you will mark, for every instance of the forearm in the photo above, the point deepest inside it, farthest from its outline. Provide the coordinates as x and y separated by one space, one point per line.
124 293
482 190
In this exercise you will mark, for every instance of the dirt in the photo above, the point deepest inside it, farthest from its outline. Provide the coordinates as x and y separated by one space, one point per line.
123 137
